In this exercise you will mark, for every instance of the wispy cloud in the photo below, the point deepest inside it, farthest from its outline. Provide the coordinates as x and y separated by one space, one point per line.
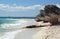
21 8
18 8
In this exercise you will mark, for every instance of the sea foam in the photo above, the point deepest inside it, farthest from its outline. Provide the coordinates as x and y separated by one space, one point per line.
11 29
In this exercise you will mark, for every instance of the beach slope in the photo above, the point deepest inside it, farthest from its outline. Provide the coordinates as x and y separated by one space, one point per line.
50 32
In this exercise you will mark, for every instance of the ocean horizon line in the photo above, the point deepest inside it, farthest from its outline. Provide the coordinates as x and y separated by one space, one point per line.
18 17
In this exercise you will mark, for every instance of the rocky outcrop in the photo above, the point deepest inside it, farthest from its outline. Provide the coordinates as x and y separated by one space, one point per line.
51 13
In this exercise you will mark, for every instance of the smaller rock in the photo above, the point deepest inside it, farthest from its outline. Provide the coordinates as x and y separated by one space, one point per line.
32 26
40 24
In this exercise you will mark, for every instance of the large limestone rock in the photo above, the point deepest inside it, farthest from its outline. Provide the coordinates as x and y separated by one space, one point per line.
52 32
51 13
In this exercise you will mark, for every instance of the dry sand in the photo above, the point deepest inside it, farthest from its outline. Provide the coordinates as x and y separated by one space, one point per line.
26 34
52 32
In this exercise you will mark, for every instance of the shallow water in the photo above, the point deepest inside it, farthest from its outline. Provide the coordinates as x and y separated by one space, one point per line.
12 28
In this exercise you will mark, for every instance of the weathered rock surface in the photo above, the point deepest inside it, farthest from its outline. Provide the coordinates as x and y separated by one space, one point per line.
51 13
52 32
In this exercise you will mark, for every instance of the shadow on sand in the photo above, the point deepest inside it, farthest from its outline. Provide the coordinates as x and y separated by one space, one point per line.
35 26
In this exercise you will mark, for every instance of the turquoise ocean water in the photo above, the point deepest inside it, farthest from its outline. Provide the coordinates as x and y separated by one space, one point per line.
12 22
11 27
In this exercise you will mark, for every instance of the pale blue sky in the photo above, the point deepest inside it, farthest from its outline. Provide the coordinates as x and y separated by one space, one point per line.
26 8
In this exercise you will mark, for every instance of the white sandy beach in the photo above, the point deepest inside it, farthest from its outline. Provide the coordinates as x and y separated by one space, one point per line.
26 34
20 34
52 32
